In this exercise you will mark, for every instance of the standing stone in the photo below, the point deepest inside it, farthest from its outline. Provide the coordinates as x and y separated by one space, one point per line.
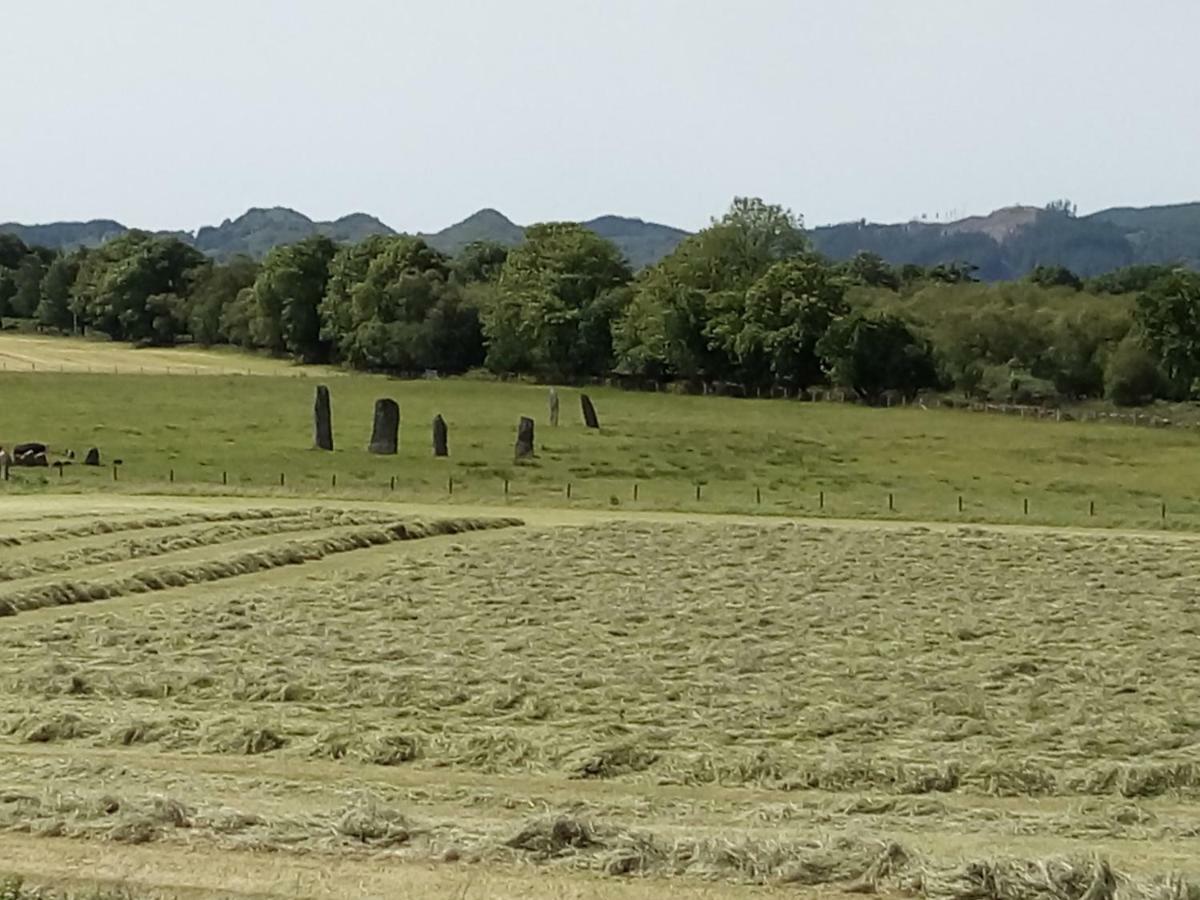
554 407
441 443
385 432
589 411
524 448
93 457
322 420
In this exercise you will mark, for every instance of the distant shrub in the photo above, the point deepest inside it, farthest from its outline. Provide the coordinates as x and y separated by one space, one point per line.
1132 376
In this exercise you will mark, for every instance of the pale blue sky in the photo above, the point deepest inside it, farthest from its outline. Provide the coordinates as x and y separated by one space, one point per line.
167 114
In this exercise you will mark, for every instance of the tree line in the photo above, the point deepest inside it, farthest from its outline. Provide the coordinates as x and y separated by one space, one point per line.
745 304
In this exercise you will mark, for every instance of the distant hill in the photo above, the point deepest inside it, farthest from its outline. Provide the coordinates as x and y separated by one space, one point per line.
1010 242
1004 244
66 235
643 243
485 225
256 231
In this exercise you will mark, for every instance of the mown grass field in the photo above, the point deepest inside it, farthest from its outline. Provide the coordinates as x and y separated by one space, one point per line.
238 433
591 704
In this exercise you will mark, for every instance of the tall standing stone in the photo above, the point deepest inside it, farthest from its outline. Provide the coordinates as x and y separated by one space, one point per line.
524 448
554 407
385 430
589 411
322 420
441 441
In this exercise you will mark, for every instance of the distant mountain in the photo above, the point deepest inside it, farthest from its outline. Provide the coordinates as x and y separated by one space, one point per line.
485 225
1004 244
257 231
643 243
66 235
1010 242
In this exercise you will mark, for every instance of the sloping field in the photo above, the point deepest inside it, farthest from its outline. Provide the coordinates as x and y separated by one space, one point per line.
31 353
956 712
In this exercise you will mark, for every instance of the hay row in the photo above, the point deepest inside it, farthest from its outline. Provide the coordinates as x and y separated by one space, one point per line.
366 823
102 526
66 592
119 551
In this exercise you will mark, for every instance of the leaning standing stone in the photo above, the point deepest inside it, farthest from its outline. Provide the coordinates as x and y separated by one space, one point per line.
441 442
589 411
524 448
322 420
385 432
554 407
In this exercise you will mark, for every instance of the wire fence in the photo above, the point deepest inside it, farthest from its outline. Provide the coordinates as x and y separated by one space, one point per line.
861 501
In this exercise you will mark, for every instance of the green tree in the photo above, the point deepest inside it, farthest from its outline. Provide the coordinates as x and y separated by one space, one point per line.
686 312
133 287
391 304
217 287
288 293
54 307
787 311
28 281
479 261
871 270
1132 376
876 354
557 296
1168 316
1055 276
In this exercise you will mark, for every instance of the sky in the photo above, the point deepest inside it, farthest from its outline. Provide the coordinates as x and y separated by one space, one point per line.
169 115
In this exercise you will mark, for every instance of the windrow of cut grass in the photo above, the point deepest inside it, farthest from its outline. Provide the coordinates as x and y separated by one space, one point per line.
368 824
66 591
13 568
149 522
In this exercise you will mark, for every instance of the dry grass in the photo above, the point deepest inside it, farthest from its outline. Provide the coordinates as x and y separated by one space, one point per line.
966 713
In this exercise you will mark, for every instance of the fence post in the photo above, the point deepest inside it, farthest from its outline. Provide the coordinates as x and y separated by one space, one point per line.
1026 506
333 480
505 487
697 491
1091 507
757 495
171 476
450 485
960 503
1164 510
281 479
392 483
114 472
891 502
568 490
821 500
635 492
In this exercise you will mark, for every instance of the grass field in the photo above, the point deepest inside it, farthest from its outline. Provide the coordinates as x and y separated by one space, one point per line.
323 690
586 703
769 456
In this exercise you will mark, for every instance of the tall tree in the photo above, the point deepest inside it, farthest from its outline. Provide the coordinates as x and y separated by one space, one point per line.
873 354
1168 316
217 288
557 296
391 304
288 293
54 307
686 311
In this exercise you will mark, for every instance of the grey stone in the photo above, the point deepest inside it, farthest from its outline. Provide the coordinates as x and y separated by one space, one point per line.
385 431
322 420
93 457
441 438
524 448
589 411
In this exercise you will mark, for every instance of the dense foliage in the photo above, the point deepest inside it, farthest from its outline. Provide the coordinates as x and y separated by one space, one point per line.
746 305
